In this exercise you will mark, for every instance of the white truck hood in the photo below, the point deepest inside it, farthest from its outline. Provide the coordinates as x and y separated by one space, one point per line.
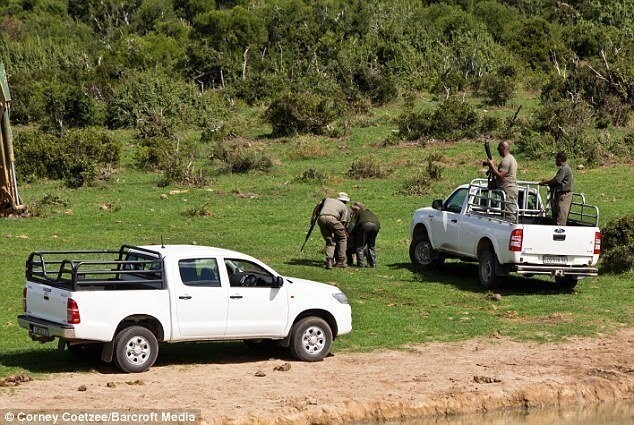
306 285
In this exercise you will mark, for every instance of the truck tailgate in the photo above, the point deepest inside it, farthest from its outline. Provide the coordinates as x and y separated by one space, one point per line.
46 302
559 240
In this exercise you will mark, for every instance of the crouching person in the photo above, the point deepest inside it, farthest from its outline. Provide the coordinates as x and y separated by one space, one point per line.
366 229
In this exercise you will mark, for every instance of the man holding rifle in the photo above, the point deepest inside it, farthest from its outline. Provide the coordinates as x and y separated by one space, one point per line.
332 219
505 175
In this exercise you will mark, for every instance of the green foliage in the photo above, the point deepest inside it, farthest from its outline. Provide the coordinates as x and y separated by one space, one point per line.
367 168
76 156
452 119
293 113
46 205
151 94
496 89
617 243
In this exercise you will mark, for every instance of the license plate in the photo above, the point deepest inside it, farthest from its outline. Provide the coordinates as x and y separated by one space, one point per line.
555 259
38 331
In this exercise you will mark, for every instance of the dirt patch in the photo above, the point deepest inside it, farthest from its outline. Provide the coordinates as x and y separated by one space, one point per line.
429 379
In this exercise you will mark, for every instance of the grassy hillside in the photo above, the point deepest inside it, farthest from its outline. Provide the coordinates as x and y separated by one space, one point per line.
267 214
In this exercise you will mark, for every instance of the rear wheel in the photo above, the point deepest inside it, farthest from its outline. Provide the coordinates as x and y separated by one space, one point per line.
311 339
422 254
566 282
487 269
136 349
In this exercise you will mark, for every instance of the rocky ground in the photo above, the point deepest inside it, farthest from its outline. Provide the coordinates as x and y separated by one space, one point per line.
430 379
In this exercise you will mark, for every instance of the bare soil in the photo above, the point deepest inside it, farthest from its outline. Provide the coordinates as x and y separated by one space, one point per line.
423 380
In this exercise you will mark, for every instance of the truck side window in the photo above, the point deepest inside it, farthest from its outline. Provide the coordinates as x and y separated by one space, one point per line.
199 272
455 201
246 274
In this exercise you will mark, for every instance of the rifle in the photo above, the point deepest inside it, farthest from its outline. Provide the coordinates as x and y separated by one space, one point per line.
313 220
490 176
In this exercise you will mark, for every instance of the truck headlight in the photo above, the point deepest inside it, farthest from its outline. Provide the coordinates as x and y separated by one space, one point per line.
341 297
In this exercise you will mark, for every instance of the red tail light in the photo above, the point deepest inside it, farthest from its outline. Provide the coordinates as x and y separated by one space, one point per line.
24 299
515 243
72 312
597 242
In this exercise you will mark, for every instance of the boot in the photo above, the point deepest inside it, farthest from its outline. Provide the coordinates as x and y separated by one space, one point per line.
341 264
328 263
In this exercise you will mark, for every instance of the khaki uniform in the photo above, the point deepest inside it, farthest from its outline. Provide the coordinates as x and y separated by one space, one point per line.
509 183
332 218
562 194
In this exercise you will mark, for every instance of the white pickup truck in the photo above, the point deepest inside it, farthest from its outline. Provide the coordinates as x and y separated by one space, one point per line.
473 224
119 304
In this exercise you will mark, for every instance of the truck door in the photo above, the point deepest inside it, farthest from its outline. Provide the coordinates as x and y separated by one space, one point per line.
256 307
200 299
446 226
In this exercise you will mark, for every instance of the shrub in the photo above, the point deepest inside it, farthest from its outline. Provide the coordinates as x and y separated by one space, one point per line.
306 149
42 207
75 157
293 113
311 175
239 159
417 186
489 124
496 89
154 124
435 166
452 119
367 168
617 243
200 211
152 152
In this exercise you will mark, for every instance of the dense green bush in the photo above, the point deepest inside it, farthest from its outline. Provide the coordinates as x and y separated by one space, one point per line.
76 156
617 244
453 119
496 89
293 113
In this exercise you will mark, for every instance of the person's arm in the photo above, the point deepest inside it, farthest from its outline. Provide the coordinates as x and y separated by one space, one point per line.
499 174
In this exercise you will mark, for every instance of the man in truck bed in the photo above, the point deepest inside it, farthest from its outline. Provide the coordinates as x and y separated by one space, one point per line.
560 190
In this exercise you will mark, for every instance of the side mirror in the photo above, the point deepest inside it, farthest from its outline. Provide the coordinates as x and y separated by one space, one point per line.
278 282
437 204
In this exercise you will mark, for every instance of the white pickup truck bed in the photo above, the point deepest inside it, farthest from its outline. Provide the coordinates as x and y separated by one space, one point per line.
472 224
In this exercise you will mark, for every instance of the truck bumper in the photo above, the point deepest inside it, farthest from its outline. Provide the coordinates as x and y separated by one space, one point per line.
40 329
557 270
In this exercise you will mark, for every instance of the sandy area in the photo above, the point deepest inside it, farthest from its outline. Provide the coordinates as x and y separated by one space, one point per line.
428 379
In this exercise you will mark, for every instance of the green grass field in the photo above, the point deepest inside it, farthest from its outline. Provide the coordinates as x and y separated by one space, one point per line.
267 215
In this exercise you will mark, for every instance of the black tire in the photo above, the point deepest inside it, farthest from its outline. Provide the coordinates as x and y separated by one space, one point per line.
311 339
566 282
487 270
422 254
85 351
135 349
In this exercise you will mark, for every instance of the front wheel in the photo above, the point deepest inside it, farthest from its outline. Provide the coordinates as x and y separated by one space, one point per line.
566 282
136 349
487 270
422 254
311 339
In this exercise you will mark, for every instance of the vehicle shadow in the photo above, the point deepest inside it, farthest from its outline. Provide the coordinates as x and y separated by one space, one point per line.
464 276
185 353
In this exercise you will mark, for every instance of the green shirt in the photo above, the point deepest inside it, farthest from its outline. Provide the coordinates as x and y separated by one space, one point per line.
564 179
